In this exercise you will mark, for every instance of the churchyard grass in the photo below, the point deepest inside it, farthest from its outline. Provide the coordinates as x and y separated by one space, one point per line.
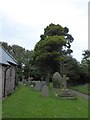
25 102
0 109
82 88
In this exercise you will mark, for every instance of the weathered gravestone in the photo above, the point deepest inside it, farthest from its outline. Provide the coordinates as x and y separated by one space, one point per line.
65 92
64 81
43 83
56 82
37 85
45 91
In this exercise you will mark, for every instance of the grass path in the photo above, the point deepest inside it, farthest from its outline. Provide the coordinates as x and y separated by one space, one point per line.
82 88
28 103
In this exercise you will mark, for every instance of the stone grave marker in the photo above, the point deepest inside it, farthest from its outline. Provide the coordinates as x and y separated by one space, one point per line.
56 79
45 91
43 83
56 82
66 94
37 85
64 79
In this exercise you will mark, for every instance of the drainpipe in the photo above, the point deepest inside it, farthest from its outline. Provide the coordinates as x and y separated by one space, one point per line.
5 80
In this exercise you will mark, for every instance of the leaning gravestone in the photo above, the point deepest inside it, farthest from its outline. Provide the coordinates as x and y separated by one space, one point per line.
37 85
45 91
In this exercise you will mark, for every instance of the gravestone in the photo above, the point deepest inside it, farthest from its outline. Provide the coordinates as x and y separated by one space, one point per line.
37 85
64 83
43 83
56 79
56 82
45 91
65 93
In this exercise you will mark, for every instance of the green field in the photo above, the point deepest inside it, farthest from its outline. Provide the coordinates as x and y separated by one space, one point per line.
82 88
28 103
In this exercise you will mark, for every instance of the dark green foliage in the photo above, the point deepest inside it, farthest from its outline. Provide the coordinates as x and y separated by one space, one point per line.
86 55
52 53
58 30
24 59
71 68
53 29
85 67
48 52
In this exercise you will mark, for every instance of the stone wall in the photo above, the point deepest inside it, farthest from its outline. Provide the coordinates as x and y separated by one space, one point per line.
10 80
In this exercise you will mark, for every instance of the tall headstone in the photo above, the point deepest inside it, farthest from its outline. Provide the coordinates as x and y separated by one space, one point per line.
65 92
45 91
56 82
56 79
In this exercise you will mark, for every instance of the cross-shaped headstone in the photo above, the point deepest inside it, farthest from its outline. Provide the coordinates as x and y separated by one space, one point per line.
64 79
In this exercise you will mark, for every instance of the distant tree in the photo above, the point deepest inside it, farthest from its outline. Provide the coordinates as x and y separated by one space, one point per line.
85 67
28 63
71 67
24 59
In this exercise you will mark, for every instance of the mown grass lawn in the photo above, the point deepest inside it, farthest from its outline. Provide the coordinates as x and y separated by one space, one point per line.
28 103
82 88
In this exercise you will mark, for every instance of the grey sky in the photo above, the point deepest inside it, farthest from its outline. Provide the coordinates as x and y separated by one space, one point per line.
23 21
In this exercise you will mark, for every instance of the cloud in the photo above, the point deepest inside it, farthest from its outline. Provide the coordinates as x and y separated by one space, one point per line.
23 21
16 33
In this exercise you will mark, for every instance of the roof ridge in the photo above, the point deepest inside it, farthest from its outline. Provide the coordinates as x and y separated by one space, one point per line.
7 53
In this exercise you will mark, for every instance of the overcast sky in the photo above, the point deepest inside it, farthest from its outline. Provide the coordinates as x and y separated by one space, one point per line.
23 21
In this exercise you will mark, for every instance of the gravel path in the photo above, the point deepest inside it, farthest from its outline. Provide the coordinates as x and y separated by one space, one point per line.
80 94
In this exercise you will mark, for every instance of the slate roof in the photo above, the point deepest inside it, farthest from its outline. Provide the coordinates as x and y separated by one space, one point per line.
6 58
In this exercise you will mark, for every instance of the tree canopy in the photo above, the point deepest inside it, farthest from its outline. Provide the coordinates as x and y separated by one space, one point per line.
49 51
52 53
24 59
